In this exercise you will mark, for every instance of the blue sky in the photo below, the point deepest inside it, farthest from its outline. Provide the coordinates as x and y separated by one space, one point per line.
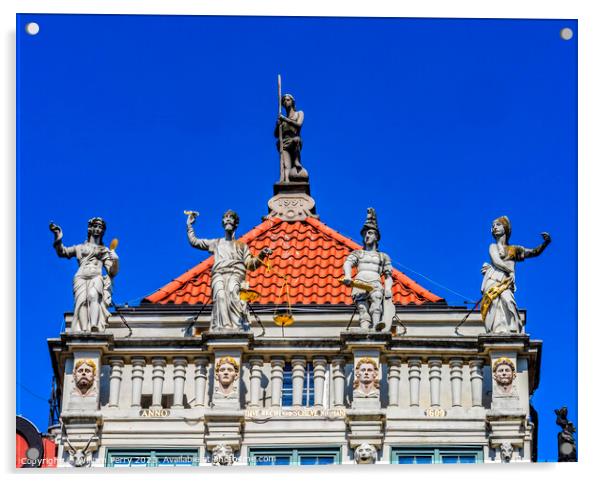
440 124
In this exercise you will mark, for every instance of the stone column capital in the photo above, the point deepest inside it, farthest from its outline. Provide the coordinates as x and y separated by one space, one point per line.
138 361
414 362
116 361
277 362
256 361
298 361
435 362
159 361
456 362
180 362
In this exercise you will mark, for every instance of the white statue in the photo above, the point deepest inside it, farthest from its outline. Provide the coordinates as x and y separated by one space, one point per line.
498 307
366 383
226 374
506 452
365 454
91 290
222 455
368 293
232 259
84 378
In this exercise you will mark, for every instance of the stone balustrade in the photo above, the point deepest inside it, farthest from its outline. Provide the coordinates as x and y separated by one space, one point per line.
406 382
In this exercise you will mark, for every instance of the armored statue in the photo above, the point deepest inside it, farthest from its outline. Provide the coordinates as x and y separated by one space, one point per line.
373 300
567 447
91 290
365 454
289 144
366 383
232 259
498 307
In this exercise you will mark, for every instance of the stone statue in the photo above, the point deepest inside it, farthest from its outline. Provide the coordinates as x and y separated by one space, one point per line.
226 374
504 373
365 454
91 290
80 457
506 452
222 455
498 308
373 300
567 447
84 378
232 259
289 144
366 383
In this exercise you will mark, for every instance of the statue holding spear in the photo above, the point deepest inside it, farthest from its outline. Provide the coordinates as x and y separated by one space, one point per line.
289 144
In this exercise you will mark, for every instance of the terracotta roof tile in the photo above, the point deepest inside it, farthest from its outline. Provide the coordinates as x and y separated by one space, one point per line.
308 252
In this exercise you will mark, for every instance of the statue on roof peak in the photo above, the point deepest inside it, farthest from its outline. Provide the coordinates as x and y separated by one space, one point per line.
372 298
232 260
289 143
498 307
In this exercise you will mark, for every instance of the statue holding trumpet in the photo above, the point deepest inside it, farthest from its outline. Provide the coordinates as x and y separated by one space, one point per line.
372 298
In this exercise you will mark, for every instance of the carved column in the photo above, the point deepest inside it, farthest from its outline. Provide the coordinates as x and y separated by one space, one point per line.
256 367
319 364
476 382
200 381
115 384
158 378
435 381
414 365
138 364
394 366
277 376
455 375
298 379
179 377
338 375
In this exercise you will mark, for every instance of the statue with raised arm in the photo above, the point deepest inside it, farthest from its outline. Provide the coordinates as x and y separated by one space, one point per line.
498 306
372 298
289 144
91 290
232 259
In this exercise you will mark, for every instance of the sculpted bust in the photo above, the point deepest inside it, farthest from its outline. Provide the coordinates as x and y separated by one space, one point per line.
365 454
366 383
222 455
84 376
504 373
226 374
506 451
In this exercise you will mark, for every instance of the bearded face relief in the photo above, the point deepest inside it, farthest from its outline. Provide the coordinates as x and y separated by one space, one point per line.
84 375
504 374
365 454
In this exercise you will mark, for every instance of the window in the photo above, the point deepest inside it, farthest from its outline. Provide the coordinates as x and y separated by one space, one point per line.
307 399
152 458
444 455
295 456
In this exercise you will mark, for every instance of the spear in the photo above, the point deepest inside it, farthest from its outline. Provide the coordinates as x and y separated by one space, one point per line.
280 126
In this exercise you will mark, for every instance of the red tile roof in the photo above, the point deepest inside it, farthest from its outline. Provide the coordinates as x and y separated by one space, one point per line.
308 252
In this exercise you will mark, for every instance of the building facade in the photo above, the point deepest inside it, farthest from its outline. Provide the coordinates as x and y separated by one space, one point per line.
307 384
